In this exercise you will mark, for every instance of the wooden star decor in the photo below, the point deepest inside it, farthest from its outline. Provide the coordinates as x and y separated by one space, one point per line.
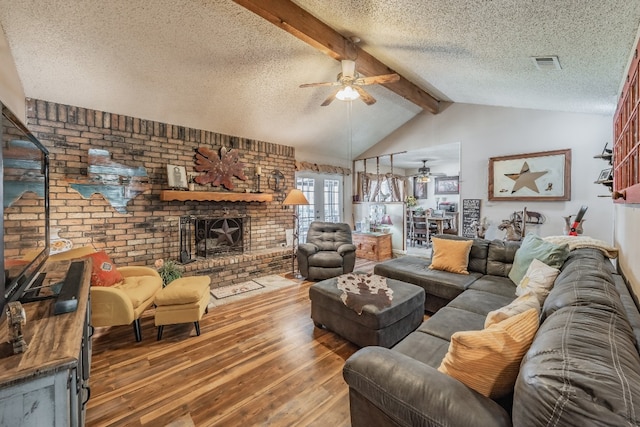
219 168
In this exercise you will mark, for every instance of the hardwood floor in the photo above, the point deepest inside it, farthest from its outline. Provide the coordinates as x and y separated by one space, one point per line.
258 362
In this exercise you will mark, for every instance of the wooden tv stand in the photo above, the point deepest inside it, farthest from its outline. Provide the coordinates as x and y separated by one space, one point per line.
48 384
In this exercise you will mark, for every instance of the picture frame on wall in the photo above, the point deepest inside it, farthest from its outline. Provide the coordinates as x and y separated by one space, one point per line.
177 177
605 175
541 176
447 185
419 188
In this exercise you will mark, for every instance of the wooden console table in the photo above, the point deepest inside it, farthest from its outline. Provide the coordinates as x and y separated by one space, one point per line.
49 383
373 246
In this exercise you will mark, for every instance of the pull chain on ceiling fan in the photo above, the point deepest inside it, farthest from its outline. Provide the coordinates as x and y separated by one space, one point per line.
350 82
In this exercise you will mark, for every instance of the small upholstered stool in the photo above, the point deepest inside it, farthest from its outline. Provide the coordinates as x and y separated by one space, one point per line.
184 300
384 327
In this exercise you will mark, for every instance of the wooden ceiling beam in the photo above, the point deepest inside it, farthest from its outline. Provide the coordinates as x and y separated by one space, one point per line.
297 21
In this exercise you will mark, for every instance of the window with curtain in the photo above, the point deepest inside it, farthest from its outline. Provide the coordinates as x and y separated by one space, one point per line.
381 188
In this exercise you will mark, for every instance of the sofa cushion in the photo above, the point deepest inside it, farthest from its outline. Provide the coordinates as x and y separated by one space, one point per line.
449 320
327 259
488 361
478 254
328 236
539 279
103 271
589 343
584 281
533 247
423 347
500 256
139 289
519 305
495 285
630 308
185 290
412 269
480 302
582 369
450 255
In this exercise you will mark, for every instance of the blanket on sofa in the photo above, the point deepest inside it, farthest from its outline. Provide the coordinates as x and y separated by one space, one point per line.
359 290
578 242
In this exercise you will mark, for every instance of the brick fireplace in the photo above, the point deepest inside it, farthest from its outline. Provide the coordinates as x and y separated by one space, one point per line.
150 228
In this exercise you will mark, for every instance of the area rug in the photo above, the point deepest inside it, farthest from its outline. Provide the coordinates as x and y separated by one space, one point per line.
260 285
231 290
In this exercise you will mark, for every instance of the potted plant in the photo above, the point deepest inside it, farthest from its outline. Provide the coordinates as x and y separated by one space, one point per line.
168 270
411 202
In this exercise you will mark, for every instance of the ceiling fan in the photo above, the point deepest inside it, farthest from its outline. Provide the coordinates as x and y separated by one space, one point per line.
424 173
350 82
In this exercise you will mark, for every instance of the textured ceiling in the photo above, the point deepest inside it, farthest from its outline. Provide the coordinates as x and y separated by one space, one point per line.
216 66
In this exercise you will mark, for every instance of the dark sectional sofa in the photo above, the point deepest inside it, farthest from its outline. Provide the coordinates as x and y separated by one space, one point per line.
489 266
582 369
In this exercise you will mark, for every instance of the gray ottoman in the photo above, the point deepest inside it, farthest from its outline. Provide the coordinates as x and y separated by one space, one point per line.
383 327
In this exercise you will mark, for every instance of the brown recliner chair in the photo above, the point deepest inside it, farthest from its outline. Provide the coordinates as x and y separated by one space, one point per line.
329 251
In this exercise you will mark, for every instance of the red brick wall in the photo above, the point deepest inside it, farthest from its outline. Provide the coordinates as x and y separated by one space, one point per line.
150 228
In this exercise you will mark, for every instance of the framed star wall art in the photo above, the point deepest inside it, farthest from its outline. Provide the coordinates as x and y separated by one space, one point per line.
543 176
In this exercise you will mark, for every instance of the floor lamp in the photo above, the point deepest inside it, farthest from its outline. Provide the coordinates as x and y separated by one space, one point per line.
295 198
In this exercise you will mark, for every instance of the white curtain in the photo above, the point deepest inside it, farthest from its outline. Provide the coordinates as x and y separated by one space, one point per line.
381 188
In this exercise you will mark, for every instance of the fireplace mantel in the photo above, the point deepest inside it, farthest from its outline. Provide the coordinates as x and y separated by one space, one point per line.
213 196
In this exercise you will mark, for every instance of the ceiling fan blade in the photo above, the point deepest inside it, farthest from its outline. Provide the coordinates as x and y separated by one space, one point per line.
382 79
330 98
366 98
321 84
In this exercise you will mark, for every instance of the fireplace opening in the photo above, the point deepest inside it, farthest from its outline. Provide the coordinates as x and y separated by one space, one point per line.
207 237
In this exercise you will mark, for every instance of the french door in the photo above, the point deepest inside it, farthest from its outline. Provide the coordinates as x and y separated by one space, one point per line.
324 193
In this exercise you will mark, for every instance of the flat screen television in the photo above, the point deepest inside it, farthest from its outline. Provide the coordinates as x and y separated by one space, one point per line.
25 201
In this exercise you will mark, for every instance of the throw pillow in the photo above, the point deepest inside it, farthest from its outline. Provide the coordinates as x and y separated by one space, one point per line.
539 279
488 361
103 272
519 305
534 247
450 255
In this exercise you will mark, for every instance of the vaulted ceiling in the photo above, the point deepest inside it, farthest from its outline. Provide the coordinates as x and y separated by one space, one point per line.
218 66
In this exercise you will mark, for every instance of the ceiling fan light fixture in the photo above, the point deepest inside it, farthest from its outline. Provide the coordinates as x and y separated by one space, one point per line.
347 93
424 179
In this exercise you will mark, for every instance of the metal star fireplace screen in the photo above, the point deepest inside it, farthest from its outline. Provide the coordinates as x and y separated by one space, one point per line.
543 176
214 236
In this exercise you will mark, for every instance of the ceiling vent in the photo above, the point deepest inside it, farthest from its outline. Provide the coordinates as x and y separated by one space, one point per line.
546 63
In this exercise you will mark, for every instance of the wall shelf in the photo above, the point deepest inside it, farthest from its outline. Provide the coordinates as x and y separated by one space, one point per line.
213 196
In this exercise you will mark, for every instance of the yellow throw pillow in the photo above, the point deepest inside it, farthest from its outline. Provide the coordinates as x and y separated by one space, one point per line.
450 255
488 361
524 302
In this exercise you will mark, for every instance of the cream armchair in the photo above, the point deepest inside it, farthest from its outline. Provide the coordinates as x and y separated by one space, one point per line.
124 302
